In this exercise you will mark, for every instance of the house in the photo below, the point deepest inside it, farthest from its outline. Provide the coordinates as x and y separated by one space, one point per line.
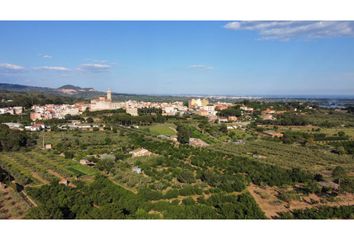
267 116
16 126
132 111
137 170
48 146
169 111
140 152
35 127
273 134
246 109
232 118
86 162
222 120
64 181
222 106
202 112
197 142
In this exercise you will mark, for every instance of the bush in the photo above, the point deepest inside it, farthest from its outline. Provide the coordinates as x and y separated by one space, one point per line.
186 176
338 172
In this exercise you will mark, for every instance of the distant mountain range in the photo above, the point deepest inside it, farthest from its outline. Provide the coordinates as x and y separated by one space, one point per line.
84 93
71 90
89 93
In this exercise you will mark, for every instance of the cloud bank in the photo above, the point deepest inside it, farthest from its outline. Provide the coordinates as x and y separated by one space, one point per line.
200 67
8 67
53 68
286 30
94 67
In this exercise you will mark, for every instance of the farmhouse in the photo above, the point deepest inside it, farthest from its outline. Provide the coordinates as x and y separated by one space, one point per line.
64 181
273 134
140 152
48 146
197 142
86 162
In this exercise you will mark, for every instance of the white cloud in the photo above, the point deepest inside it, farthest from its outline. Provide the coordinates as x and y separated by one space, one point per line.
8 67
53 68
201 67
285 30
94 67
45 56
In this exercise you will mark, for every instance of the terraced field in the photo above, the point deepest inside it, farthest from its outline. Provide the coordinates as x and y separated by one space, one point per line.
12 205
290 156
41 167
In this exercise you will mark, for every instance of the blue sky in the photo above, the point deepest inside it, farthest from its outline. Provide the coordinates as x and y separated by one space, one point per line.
200 57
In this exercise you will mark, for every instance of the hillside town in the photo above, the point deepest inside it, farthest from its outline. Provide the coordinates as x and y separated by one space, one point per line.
198 106
215 112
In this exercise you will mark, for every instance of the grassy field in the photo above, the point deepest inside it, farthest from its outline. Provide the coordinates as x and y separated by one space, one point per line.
167 129
314 159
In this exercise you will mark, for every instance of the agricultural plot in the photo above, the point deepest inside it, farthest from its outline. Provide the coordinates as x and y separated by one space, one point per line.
81 139
313 129
332 119
275 201
168 129
313 159
12 206
41 167
176 181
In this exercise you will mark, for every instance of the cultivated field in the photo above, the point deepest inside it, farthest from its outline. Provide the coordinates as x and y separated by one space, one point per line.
12 205
42 167
315 158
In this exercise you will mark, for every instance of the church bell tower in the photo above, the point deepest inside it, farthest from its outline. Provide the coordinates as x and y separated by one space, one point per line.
109 95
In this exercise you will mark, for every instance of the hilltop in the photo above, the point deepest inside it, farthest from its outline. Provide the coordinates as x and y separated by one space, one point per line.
71 89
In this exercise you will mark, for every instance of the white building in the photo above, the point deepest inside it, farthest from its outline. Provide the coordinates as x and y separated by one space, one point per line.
137 170
132 111
140 152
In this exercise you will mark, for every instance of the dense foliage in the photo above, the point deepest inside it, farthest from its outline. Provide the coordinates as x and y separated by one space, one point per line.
183 134
232 111
100 199
104 200
286 120
127 119
28 99
23 119
13 140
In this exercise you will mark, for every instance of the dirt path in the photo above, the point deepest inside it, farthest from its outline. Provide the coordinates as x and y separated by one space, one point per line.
267 200
28 199
39 178
55 174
